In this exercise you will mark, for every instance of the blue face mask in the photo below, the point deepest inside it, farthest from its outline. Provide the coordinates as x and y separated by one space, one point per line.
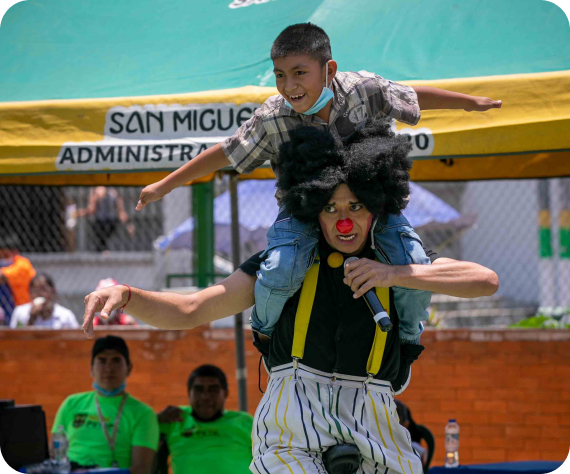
326 95
109 393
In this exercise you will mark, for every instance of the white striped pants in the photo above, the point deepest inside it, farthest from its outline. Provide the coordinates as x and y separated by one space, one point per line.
300 417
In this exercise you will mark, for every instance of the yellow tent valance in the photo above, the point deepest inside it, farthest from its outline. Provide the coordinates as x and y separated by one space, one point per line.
137 140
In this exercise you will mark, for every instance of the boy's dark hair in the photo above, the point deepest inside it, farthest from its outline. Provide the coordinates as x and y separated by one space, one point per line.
208 371
302 38
373 162
46 277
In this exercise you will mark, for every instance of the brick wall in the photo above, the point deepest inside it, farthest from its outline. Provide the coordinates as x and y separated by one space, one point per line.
509 390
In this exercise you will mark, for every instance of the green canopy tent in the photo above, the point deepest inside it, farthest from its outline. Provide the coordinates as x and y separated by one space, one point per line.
84 86
121 93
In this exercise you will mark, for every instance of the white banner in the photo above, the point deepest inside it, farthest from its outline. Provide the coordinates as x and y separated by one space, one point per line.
154 136
144 137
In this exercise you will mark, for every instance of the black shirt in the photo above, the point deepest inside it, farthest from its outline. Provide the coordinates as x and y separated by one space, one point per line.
341 328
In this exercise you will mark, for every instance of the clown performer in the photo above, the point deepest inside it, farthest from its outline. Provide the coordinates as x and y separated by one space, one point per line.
329 406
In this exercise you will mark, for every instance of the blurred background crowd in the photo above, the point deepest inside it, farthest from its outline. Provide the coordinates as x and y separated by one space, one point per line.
79 238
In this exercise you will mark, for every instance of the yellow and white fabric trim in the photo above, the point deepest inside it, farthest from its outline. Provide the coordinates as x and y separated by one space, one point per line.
138 140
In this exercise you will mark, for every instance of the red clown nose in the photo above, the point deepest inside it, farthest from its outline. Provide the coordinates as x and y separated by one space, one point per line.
344 226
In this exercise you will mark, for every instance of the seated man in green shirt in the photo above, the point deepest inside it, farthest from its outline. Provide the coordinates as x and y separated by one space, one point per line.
203 438
107 427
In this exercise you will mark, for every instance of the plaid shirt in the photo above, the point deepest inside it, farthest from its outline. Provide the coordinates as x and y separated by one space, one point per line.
358 96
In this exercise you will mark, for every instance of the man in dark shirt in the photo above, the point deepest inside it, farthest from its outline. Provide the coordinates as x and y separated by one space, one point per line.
333 371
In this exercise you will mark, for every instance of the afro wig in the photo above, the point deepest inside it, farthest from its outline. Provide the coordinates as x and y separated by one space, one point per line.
373 162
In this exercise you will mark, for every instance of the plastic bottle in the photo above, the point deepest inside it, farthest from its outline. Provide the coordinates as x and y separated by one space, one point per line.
60 444
452 444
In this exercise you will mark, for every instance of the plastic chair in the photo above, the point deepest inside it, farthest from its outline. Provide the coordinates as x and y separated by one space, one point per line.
160 464
427 436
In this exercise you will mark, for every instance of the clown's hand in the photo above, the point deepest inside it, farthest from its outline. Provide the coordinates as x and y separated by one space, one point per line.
104 301
481 104
364 274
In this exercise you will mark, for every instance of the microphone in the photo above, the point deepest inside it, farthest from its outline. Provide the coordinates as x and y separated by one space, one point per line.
380 315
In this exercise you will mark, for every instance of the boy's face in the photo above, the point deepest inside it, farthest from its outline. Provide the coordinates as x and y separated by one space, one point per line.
300 79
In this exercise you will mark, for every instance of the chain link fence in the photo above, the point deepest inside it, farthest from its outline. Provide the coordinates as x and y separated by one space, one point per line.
81 235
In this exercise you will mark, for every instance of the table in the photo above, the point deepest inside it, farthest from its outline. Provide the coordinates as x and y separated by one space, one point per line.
526 467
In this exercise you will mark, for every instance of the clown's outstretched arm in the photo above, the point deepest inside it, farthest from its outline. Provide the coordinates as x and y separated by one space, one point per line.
171 310
444 275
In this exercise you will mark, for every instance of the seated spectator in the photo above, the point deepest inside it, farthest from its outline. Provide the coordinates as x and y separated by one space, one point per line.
117 317
406 420
43 310
203 438
15 275
107 427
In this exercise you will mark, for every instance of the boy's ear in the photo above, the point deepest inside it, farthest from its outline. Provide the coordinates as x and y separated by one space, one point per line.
332 69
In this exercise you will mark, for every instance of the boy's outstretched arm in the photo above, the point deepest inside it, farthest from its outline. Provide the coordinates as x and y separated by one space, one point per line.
210 160
433 98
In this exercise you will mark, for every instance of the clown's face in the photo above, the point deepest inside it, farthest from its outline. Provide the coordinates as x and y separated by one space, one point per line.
345 222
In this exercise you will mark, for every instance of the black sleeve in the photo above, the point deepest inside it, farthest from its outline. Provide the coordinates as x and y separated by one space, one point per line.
252 264
430 253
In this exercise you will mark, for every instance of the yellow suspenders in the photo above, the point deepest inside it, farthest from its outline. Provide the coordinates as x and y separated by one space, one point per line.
303 316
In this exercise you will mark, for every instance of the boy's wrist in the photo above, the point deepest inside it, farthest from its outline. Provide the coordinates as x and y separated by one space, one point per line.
165 186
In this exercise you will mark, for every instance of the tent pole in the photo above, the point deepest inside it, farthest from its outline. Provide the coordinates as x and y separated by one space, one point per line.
241 371
203 213
546 265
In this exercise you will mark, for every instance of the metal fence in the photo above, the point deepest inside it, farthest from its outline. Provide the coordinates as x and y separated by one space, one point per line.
80 235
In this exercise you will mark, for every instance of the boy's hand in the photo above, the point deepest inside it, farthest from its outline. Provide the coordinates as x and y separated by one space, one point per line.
481 104
151 193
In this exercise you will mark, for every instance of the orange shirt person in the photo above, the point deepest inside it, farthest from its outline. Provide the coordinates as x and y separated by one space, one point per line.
16 273
18 277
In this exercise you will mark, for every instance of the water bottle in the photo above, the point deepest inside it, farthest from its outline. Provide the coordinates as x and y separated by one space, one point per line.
452 444
61 463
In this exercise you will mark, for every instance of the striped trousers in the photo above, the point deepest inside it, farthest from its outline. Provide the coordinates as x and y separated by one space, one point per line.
302 415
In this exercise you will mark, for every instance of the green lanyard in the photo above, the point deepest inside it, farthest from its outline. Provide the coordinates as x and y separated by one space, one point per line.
111 440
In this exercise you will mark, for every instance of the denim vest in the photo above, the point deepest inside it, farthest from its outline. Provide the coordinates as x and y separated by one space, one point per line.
396 243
